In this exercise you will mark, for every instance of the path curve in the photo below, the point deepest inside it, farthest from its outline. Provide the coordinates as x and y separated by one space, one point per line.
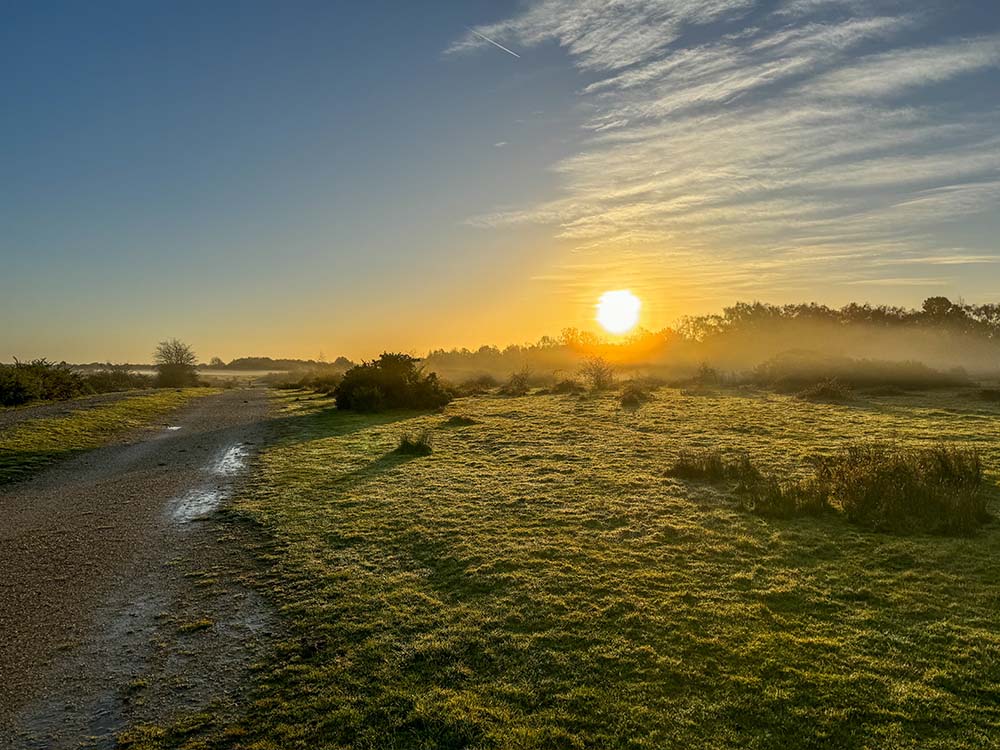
85 550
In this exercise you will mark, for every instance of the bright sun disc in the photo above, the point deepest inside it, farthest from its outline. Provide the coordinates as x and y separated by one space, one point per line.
618 311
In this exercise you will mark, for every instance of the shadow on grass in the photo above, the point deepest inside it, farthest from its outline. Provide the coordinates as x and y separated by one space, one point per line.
374 468
18 465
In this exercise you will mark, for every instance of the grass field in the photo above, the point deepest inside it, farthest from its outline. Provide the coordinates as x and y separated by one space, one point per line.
32 444
538 582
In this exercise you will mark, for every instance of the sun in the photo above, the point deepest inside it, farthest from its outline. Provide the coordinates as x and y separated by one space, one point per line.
618 311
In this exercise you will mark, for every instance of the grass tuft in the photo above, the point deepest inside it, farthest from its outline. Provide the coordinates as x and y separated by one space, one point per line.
418 444
459 421
884 487
713 466
770 497
892 488
195 625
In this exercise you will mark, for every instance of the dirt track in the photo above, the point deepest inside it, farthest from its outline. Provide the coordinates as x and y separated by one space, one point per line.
100 557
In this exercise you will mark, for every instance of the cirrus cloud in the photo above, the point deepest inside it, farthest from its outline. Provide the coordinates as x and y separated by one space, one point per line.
810 139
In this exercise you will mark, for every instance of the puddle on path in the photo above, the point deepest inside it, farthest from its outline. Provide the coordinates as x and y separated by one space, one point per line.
233 461
202 501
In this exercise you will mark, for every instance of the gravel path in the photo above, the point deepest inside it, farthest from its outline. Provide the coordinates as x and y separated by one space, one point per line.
94 554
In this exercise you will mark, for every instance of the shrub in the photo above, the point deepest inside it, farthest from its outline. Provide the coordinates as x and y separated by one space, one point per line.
706 375
478 385
990 394
393 381
415 445
828 390
889 488
635 394
113 378
15 389
175 376
518 384
39 379
321 383
598 373
796 370
569 385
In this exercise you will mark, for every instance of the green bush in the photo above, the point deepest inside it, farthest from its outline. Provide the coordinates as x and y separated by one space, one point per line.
113 378
393 381
39 380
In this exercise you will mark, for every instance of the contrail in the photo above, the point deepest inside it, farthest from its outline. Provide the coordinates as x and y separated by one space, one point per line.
495 44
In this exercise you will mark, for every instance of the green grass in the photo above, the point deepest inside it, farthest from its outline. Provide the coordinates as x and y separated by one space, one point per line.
31 445
539 582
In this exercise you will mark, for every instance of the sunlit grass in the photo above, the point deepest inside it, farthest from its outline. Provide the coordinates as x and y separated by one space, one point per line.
29 446
538 581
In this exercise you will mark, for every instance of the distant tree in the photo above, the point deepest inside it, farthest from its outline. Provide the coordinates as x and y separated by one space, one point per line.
343 363
175 363
216 362
937 307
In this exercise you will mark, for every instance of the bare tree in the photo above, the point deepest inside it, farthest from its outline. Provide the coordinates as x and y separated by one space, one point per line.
598 373
175 363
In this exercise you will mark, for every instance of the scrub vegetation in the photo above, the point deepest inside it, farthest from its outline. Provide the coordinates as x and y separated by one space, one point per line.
561 572
41 380
393 381
31 444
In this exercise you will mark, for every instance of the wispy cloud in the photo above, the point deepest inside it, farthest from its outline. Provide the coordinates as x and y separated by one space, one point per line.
893 73
766 145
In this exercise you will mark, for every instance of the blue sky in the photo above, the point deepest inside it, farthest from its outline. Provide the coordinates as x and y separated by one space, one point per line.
347 177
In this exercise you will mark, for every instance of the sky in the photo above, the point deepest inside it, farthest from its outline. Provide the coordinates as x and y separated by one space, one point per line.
286 179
